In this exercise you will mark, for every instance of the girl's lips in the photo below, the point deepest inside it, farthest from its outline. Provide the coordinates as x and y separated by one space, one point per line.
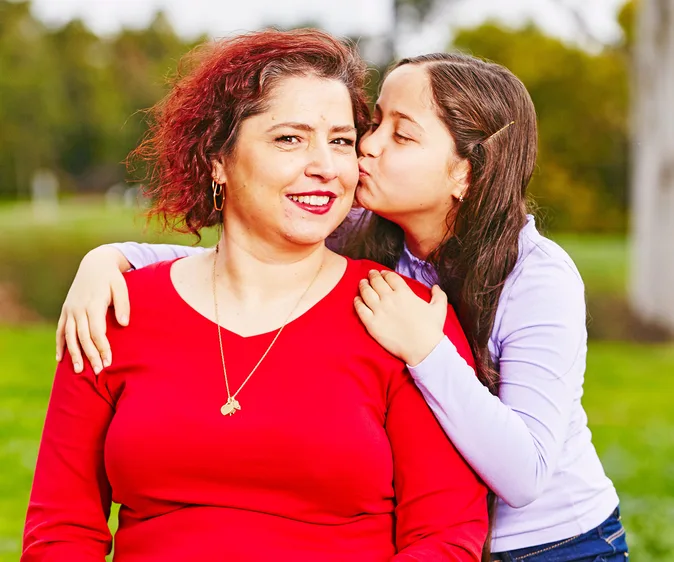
362 171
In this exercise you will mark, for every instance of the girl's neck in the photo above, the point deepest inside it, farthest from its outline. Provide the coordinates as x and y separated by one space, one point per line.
421 242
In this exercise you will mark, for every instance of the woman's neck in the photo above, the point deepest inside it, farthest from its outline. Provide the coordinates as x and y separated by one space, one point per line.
254 271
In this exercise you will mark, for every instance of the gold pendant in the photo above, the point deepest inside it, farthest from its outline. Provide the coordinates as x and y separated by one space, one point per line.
230 407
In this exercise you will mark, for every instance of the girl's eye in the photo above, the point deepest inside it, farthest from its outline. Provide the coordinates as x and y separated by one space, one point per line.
288 139
344 142
373 126
401 137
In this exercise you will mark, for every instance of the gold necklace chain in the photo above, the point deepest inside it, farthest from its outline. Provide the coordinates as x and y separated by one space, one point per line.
232 404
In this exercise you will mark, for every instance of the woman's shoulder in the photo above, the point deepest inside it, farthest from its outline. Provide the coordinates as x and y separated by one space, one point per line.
147 279
149 290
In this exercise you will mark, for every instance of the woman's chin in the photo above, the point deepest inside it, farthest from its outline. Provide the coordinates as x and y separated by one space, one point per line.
309 237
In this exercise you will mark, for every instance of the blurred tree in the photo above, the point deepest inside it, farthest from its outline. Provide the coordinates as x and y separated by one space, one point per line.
652 274
627 16
93 112
72 101
413 14
582 104
142 63
30 104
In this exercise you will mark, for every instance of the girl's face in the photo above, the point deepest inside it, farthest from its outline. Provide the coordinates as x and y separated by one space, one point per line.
409 171
293 174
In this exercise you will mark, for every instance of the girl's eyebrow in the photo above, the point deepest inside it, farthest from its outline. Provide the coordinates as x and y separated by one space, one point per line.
400 115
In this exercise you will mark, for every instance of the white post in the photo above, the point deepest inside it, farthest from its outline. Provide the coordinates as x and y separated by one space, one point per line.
44 191
652 276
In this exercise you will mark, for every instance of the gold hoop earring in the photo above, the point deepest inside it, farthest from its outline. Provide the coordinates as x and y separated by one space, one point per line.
218 191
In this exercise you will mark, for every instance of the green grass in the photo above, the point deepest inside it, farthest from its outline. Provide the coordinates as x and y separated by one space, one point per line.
601 259
31 246
628 390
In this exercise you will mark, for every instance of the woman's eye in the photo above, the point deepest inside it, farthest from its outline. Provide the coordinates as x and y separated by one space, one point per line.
288 139
344 142
400 137
373 126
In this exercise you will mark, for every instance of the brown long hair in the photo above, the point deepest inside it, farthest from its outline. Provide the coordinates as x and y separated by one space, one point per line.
492 120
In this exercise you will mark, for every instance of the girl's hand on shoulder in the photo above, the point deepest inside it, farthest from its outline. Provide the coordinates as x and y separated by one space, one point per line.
402 323
82 325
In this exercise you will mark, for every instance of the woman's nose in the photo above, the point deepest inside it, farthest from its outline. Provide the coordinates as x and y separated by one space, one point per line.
322 164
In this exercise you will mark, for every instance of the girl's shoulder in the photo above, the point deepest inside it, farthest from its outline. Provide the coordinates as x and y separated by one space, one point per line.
544 290
541 260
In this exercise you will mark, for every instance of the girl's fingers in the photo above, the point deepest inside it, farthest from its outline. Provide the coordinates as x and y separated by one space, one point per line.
394 281
73 344
438 297
60 336
368 294
98 329
86 343
363 311
120 300
378 283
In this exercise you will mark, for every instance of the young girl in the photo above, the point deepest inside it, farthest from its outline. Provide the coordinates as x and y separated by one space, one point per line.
444 172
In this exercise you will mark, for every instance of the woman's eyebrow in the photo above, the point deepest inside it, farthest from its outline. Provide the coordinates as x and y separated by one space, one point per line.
309 129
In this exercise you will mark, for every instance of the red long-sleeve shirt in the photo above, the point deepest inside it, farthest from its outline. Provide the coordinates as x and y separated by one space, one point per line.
334 455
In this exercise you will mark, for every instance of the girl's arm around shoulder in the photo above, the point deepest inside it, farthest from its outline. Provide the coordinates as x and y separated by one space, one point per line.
141 255
514 443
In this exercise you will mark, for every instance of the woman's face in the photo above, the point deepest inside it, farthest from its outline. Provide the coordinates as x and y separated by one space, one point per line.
294 170
409 170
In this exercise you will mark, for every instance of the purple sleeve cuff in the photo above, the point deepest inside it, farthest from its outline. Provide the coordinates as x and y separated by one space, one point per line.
142 255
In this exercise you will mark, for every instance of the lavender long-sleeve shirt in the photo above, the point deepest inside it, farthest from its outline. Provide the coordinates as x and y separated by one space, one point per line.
531 445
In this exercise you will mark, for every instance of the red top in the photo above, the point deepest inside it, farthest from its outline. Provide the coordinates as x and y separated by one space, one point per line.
334 455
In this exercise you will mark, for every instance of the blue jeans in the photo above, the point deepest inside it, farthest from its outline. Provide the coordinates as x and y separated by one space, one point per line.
605 543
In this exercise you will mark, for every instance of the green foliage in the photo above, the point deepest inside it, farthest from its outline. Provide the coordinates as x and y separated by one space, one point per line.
72 102
627 19
71 99
631 418
582 104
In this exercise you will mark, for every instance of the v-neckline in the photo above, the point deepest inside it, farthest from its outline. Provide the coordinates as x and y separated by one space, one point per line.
304 317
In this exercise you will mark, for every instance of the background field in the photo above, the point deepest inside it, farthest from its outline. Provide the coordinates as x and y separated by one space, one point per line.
628 385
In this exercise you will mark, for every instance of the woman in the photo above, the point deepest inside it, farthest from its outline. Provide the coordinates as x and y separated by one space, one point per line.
445 169
235 424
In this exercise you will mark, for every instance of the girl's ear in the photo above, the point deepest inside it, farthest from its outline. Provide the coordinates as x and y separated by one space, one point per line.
459 177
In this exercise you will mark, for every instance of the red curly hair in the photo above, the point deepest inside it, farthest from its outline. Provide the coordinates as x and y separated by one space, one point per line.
227 82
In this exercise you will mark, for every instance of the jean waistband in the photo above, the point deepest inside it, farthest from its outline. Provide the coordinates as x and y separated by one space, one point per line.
507 556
